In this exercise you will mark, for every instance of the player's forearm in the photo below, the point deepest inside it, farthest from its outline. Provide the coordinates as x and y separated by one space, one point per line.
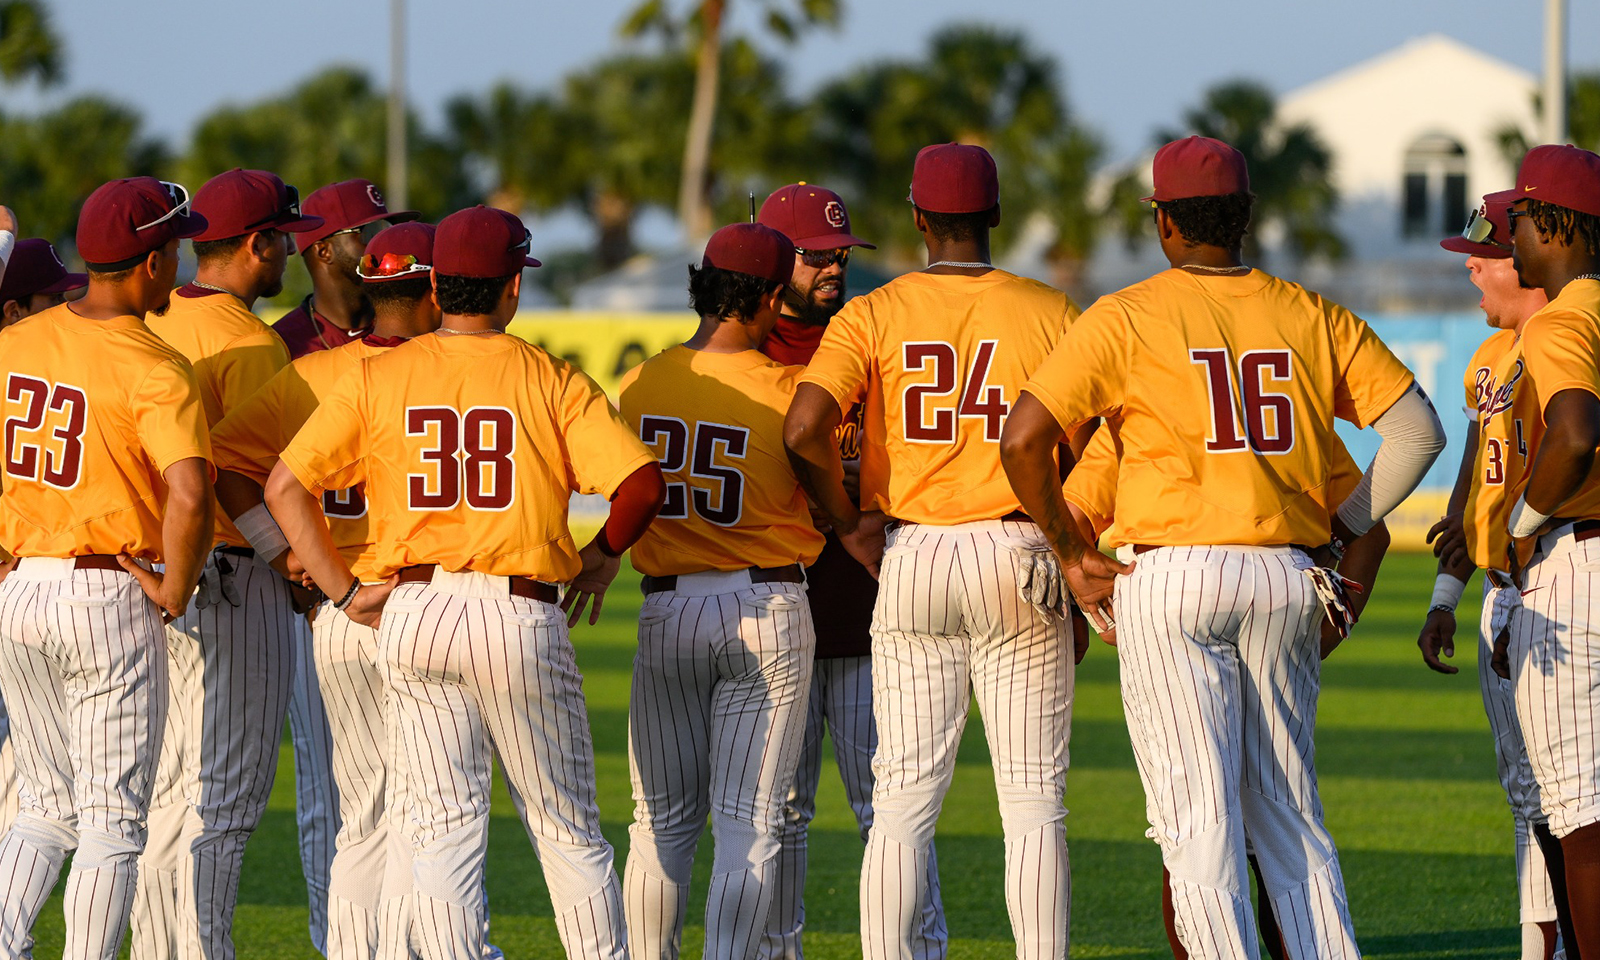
808 438
1028 451
1566 453
633 507
237 494
186 525
1362 560
300 517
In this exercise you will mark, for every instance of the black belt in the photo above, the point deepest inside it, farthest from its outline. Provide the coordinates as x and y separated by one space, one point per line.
520 586
790 574
233 551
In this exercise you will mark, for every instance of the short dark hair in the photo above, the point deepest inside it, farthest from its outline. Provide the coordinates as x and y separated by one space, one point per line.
470 296
714 292
957 227
394 291
112 276
224 249
1566 224
1211 221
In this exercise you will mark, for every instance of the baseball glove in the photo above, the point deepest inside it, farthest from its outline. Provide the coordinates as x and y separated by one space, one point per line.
1333 591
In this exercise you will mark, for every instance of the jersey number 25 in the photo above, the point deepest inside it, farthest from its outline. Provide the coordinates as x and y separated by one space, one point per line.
710 439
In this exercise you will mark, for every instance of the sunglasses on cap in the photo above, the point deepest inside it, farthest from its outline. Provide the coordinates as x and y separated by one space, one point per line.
179 195
1480 229
389 266
819 259
290 209
525 244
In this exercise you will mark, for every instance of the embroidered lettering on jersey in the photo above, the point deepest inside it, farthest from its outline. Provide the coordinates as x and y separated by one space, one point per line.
849 433
1492 398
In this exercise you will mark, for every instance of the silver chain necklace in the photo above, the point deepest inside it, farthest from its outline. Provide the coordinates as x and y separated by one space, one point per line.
1587 276
209 286
1203 268
452 331
971 265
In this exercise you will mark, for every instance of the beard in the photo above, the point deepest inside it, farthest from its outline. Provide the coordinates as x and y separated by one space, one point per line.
812 311
345 262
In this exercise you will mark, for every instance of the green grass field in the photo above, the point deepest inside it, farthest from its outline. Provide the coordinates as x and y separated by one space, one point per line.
1407 777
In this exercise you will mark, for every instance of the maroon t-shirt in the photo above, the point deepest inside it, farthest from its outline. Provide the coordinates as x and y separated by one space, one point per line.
842 592
306 331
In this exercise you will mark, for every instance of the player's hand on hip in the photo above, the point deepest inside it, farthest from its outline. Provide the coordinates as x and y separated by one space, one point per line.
1092 581
591 583
1438 638
1449 539
1500 656
366 607
289 567
154 586
867 541
1080 633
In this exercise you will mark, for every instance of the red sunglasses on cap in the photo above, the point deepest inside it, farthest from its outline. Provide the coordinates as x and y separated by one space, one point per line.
389 266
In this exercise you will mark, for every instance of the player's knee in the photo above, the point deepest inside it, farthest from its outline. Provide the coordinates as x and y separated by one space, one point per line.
53 838
1024 810
1291 845
741 844
98 848
666 852
1212 856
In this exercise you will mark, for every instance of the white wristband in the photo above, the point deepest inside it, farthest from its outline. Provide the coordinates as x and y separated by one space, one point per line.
1446 592
257 526
1526 521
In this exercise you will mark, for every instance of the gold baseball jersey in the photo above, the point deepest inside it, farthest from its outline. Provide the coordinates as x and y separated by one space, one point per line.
1092 485
1561 351
95 412
715 421
469 448
233 354
249 440
941 359
1225 388
1504 402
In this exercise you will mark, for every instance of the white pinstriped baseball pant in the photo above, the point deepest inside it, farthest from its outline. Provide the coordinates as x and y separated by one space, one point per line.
841 704
231 668
1534 895
84 669
714 725
949 624
1218 648
472 669
1555 671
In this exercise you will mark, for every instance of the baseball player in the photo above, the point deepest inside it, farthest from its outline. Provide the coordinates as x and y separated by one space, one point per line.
337 311
1554 661
723 672
469 443
1091 495
34 280
106 472
363 886
233 653
940 355
1221 495
841 591
1505 429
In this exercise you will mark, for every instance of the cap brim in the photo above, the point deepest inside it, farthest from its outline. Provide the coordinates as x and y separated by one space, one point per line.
299 225
71 281
833 241
1506 196
1486 250
400 216
190 226
1149 199
530 262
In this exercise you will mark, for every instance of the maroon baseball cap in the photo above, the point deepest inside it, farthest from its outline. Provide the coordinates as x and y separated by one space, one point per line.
245 201
35 267
814 217
1487 233
954 178
1564 175
482 242
126 219
752 248
403 250
1197 167
348 205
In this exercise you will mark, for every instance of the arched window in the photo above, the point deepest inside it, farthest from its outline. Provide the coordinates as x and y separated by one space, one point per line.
1434 187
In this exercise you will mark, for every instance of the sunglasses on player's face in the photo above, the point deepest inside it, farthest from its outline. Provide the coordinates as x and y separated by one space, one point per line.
820 259
366 230
179 195
1480 229
1512 213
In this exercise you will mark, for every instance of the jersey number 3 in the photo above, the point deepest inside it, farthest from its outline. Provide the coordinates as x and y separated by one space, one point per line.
1264 434
463 452
701 461
61 464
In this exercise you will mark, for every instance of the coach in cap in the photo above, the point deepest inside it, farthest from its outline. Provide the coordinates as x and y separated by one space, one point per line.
1554 650
337 309
235 647
35 280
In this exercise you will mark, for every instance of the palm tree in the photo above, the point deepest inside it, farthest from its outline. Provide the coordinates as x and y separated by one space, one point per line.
1583 120
29 46
704 21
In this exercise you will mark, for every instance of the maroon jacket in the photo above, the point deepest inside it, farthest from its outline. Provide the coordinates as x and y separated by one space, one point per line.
842 592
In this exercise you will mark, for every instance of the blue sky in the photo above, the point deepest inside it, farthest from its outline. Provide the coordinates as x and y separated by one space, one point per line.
1129 66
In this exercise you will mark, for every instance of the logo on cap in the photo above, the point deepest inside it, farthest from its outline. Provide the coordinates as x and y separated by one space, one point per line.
834 213
374 195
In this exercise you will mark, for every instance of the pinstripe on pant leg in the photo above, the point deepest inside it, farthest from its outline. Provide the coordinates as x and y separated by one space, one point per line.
316 800
786 916
1535 896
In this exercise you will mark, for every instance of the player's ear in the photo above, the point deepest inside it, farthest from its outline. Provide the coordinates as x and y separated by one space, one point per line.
994 217
918 219
12 312
514 288
261 244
